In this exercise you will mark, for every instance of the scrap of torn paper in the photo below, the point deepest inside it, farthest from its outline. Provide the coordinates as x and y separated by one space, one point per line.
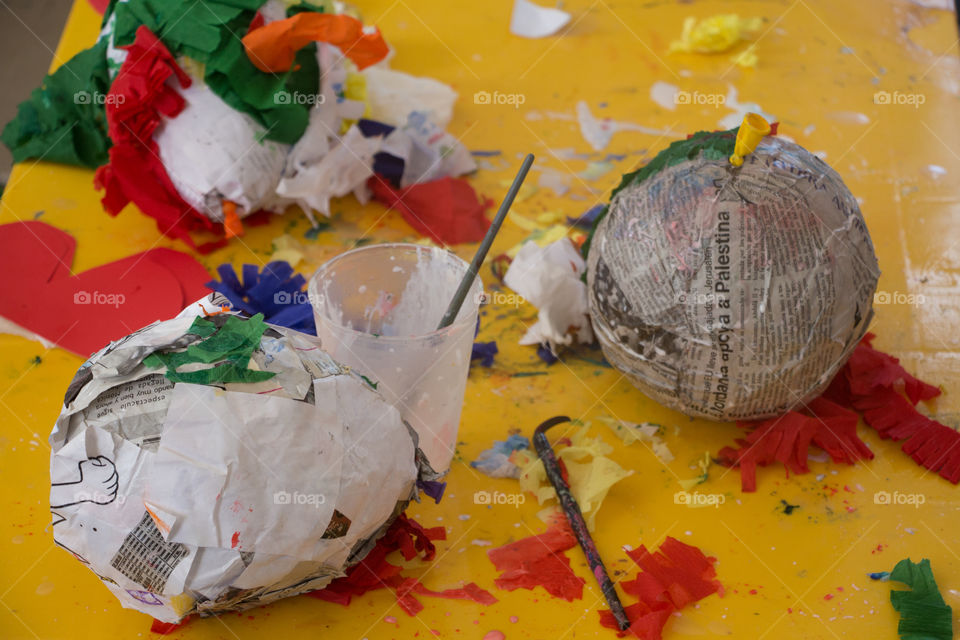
717 34
787 439
447 210
588 470
483 353
82 313
151 475
549 279
276 291
375 572
703 464
393 95
674 577
273 46
648 433
530 20
497 461
923 613
539 561
886 395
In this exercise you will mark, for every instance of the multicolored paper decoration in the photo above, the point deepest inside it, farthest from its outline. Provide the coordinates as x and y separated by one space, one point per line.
277 117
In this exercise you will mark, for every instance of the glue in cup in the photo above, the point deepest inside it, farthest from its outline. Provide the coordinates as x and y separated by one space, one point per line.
377 309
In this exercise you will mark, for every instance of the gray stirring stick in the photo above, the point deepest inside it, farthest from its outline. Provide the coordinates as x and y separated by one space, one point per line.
478 258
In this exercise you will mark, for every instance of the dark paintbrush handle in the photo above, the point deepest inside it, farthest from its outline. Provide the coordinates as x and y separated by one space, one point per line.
575 517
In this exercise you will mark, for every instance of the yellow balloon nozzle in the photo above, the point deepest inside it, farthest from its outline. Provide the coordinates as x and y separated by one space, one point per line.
752 130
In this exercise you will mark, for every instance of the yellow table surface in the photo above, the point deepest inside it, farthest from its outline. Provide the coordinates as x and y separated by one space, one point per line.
820 64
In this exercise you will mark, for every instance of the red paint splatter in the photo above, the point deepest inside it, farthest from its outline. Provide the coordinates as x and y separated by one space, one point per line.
829 596
235 540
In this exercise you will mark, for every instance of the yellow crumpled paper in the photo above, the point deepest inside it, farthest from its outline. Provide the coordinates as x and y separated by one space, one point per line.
590 473
646 432
704 465
717 34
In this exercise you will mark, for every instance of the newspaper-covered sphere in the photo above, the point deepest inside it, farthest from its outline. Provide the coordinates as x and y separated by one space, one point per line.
731 293
212 463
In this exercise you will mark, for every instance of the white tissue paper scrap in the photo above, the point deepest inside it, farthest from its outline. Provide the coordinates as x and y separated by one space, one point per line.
533 21
393 95
213 152
549 278
187 498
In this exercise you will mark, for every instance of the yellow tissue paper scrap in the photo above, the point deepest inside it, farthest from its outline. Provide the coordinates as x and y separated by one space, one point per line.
714 34
647 432
355 88
286 247
589 472
704 465
747 58
542 237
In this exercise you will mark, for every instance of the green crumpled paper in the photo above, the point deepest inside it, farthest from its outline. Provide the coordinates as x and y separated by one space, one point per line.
64 120
230 346
923 613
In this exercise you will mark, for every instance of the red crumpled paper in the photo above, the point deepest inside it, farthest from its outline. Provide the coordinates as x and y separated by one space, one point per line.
675 576
272 47
375 572
874 384
539 561
138 98
84 312
447 210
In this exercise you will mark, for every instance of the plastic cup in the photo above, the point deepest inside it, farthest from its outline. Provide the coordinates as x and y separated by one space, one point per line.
377 309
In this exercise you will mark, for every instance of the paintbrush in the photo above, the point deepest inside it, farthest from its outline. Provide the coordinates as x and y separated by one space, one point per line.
484 247
575 517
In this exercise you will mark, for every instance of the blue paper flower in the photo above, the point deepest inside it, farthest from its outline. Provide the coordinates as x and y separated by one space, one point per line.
276 292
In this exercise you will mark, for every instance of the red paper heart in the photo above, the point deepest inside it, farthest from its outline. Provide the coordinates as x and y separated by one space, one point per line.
83 313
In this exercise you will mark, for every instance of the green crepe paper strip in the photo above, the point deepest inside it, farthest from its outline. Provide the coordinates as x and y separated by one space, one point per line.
923 613
64 120
714 145
231 346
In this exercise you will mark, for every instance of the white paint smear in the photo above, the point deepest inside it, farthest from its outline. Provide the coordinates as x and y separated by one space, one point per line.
598 132
664 94
533 21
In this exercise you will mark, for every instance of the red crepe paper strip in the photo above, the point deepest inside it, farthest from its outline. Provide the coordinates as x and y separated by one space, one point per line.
447 210
272 47
874 384
165 628
139 98
883 391
787 438
675 576
539 561
375 572
84 312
